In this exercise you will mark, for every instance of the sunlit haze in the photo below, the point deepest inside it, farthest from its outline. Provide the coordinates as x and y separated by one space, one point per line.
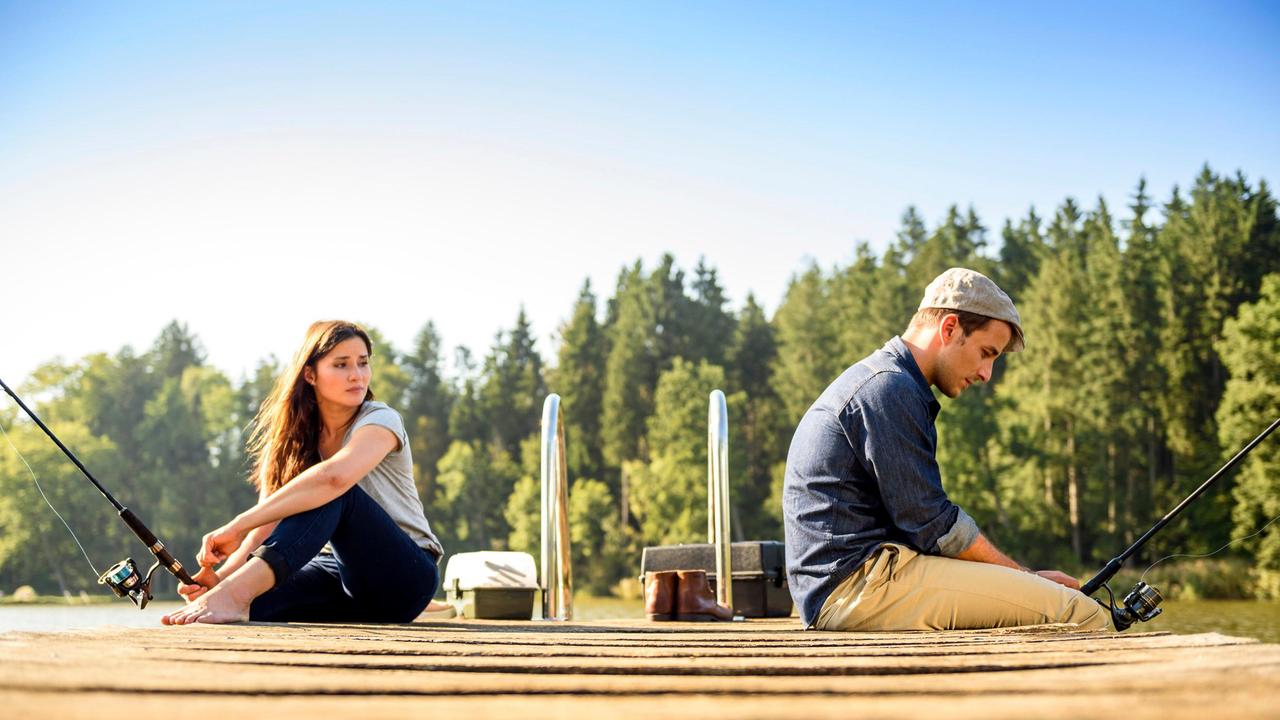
246 168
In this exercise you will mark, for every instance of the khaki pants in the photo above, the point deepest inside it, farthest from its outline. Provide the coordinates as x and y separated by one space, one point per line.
897 588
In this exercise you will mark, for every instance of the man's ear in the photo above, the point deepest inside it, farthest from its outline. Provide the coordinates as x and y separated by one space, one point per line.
949 328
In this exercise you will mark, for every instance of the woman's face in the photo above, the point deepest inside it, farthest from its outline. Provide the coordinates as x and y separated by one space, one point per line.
342 376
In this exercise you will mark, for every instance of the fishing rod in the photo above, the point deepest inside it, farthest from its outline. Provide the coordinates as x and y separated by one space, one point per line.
1141 603
123 578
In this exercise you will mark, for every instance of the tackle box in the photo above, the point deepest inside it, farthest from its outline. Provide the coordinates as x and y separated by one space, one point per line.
491 585
759 572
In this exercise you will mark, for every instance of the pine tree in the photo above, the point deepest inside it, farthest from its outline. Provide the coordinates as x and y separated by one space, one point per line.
953 243
175 350
760 432
808 359
1107 358
427 411
1021 251
1209 247
1039 460
579 380
711 326
1250 350
630 369
673 314
631 372
892 301
513 388
851 293
668 494
911 236
390 381
1145 385
467 422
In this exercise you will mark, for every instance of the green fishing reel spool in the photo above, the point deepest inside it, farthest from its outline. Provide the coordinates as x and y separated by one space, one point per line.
125 581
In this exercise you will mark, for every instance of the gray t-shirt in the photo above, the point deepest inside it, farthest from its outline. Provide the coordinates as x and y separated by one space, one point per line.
390 483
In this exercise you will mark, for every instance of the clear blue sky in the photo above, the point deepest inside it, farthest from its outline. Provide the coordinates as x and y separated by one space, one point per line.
247 167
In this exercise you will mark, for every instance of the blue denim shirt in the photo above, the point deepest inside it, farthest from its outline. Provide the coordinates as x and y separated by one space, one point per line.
863 471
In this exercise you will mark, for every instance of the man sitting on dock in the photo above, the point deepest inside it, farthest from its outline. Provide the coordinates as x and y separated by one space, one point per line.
873 542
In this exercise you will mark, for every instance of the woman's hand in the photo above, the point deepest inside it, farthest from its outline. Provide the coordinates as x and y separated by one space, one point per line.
205 579
219 544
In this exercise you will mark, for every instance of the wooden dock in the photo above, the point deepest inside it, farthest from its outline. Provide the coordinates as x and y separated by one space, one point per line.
629 668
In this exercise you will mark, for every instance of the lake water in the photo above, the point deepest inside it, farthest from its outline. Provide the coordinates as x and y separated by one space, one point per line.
1244 618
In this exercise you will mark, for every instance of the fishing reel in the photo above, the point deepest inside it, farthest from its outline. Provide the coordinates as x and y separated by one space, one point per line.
1140 605
124 580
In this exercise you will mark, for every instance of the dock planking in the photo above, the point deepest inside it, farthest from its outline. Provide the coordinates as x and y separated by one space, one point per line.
632 668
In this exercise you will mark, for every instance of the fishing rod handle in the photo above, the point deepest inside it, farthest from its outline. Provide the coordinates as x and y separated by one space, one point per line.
1106 573
156 547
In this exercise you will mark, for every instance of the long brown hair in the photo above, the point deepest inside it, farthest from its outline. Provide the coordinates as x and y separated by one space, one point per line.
286 431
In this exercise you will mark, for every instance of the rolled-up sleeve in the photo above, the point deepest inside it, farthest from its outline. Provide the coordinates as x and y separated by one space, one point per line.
899 446
961 535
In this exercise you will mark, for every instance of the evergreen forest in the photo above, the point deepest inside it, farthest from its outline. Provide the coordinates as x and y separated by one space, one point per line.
1153 354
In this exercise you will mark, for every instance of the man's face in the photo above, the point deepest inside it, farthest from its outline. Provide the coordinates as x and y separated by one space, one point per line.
966 359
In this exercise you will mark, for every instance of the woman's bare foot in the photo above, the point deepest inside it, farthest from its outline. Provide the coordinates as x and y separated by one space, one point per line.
437 610
229 600
216 606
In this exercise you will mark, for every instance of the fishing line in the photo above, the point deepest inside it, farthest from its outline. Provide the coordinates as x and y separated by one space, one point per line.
1215 552
124 578
46 499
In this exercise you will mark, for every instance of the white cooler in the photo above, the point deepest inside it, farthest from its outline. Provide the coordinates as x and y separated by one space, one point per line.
491 585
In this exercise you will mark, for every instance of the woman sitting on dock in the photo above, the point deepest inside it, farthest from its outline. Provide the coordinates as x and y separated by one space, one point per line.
338 533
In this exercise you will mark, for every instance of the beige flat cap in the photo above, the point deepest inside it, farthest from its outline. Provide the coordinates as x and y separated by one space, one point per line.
971 291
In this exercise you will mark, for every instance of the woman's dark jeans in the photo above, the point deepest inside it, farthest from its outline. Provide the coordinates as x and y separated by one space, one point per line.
375 574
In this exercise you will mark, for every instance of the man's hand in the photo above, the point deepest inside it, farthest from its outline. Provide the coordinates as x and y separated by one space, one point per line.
1060 577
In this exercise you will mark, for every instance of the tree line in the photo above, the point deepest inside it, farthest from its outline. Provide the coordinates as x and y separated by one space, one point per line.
1153 352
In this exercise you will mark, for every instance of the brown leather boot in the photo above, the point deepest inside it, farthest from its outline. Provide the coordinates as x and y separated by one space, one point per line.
660 595
694 599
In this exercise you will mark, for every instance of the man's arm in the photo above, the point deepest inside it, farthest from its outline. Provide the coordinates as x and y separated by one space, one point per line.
983 550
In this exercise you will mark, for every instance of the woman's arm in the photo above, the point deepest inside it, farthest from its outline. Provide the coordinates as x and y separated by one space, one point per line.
256 537
207 577
312 488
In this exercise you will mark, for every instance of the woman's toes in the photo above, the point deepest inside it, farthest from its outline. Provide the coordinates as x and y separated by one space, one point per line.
213 607
182 616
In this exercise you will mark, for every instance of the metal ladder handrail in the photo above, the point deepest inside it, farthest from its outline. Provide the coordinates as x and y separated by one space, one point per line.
557 575
718 495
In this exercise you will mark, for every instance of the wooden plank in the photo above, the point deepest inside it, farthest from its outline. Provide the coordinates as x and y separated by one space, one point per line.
633 668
